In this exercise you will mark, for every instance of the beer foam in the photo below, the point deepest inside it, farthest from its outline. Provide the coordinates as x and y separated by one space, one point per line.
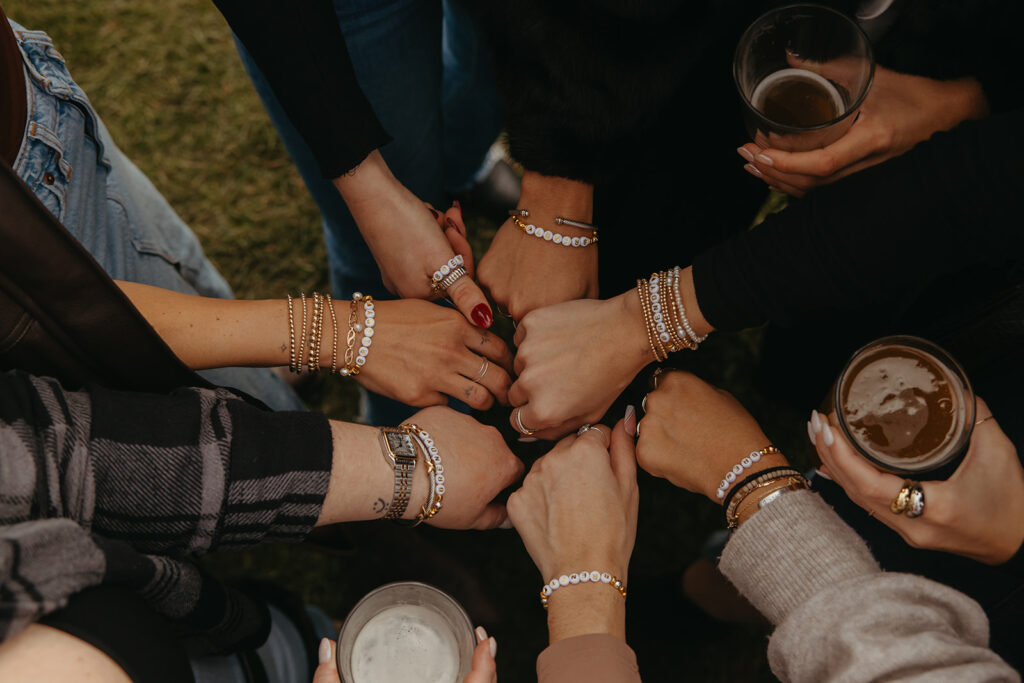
757 97
406 643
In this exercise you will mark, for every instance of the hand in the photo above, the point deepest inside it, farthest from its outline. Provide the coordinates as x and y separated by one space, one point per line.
693 433
577 507
409 240
422 351
477 466
483 667
523 273
959 513
574 359
900 111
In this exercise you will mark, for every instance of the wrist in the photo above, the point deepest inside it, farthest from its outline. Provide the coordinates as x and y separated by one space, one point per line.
632 326
688 293
584 609
767 461
549 196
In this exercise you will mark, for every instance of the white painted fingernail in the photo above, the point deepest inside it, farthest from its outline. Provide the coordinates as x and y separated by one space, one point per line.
630 414
494 648
526 439
826 433
481 634
810 433
816 421
324 651
821 474
766 160
752 170
743 152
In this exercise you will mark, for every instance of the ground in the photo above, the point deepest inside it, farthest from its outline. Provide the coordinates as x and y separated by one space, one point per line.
167 81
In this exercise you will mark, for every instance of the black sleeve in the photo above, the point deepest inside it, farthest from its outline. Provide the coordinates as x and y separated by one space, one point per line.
299 47
950 203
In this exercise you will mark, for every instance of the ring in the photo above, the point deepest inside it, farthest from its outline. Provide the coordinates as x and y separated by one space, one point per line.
501 311
984 419
593 428
447 274
643 404
915 506
656 377
483 371
899 504
519 423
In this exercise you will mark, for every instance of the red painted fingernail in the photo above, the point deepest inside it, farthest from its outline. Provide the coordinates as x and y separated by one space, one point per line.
482 316
455 203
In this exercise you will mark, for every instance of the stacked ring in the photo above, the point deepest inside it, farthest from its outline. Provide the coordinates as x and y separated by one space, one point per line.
909 500
443 276
482 371
519 423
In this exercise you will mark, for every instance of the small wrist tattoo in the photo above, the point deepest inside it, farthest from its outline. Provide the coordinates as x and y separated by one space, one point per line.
380 506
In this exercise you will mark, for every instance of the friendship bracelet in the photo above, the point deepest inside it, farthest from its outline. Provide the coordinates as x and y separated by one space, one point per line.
577 578
666 333
740 484
449 279
334 335
744 464
556 237
435 473
781 484
442 273
731 518
645 306
559 220
369 318
682 310
398 449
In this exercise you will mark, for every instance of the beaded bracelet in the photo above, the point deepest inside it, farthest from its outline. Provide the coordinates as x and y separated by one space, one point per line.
577 578
453 264
334 334
744 464
743 482
356 355
435 473
559 220
657 347
556 237
778 486
731 518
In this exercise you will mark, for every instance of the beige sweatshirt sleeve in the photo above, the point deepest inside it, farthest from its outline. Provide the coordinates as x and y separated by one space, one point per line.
593 658
838 617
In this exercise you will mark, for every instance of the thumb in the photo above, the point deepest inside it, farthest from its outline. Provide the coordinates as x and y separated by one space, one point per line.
492 517
471 302
327 671
623 453
483 668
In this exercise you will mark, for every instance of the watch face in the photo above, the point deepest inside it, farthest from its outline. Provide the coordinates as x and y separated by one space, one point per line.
400 444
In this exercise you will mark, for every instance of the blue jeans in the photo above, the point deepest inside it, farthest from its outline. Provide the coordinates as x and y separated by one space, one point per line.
71 164
427 75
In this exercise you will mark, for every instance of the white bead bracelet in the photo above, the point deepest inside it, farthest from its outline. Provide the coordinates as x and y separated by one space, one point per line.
556 237
744 464
439 274
577 578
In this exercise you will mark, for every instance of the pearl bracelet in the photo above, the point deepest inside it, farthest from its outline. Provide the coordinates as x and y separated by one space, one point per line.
577 578
355 356
744 464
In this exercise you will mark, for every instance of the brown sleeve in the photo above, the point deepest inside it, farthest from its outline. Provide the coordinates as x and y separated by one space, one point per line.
593 658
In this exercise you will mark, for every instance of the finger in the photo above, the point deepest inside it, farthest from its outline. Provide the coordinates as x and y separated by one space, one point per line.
326 670
560 430
517 395
461 246
866 486
858 144
520 336
474 395
520 420
483 669
453 218
438 216
601 433
519 364
490 346
471 302
623 452
488 375
493 516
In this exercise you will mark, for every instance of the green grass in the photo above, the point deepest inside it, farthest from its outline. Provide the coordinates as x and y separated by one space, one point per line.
167 81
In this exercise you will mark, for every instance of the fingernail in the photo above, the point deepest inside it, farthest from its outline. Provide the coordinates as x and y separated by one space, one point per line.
452 224
455 203
826 433
630 419
810 433
822 474
526 439
324 651
481 634
494 648
434 211
766 160
745 153
816 421
752 170
507 524
482 316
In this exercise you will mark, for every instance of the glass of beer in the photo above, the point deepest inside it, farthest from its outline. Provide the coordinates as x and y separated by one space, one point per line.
802 72
406 631
905 405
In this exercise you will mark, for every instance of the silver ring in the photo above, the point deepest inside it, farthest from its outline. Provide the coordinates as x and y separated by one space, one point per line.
584 429
915 506
483 371
643 403
519 423
448 280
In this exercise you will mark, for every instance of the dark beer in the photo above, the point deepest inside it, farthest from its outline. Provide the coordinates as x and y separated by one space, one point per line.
798 98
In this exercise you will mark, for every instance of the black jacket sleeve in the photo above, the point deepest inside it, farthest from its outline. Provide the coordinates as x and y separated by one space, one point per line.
949 203
299 47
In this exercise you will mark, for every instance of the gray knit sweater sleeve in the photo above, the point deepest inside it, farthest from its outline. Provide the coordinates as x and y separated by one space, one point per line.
838 617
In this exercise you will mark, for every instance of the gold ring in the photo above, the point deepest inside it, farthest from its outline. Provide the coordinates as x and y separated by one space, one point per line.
899 504
656 377
643 404
483 371
519 423
984 419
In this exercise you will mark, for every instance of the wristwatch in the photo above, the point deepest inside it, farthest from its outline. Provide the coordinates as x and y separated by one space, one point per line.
398 449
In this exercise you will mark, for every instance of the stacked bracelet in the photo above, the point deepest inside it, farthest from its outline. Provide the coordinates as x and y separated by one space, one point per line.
445 276
357 353
744 464
792 477
435 473
398 449
668 328
556 237
577 578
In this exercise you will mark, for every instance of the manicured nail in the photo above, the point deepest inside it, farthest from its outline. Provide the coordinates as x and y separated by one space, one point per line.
455 203
526 439
482 315
745 153
494 648
481 634
821 473
766 160
452 224
752 170
507 524
324 652
810 433
630 420
826 433
816 421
